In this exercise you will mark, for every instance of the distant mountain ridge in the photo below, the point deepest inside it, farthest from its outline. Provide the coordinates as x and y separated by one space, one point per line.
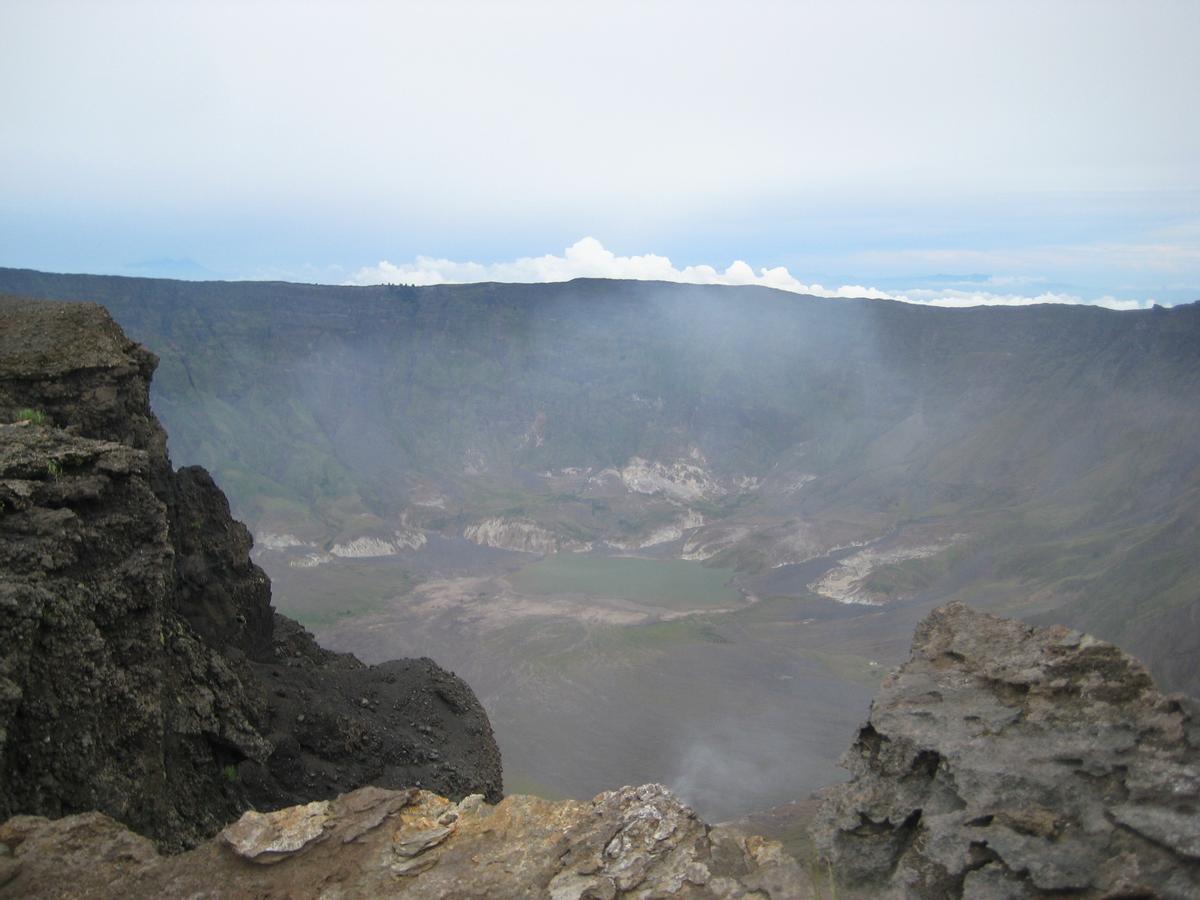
1040 460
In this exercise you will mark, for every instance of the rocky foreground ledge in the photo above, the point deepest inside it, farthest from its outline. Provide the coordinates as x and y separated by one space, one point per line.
639 842
1001 761
1004 760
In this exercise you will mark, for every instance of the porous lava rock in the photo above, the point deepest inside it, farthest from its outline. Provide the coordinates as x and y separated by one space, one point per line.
143 670
1004 761
635 842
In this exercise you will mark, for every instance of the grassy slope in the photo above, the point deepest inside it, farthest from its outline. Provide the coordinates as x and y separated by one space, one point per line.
671 584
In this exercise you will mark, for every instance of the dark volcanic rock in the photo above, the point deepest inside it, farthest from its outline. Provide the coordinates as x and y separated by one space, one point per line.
1004 760
337 724
635 842
224 596
143 671
108 700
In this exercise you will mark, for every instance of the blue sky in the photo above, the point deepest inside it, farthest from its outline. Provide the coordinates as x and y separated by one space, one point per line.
938 151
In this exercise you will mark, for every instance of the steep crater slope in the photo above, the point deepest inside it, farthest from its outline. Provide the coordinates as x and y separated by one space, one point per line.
143 671
1039 460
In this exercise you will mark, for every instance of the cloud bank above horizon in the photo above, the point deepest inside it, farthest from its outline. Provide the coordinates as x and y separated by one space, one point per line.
875 148
589 258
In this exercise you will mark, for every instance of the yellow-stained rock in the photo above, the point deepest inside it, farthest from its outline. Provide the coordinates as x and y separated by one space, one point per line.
635 842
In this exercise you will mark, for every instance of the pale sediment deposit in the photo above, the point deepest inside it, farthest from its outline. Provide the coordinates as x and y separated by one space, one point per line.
520 535
679 480
363 547
845 581
673 532
409 539
269 541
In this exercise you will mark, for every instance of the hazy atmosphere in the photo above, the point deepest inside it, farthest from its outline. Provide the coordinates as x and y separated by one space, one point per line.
963 152
560 450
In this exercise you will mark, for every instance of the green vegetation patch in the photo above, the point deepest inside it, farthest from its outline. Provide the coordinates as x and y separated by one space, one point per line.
32 416
667 583
339 590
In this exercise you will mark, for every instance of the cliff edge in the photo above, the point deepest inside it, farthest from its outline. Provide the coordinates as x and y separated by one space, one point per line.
635 842
1005 761
143 671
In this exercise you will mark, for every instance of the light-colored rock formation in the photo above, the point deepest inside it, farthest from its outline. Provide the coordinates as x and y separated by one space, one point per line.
635 842
845 582
367 546
409 538
363 548
683 481
665 534
268 540
520 535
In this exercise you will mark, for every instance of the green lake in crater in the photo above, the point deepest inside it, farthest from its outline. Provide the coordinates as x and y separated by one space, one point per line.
669 583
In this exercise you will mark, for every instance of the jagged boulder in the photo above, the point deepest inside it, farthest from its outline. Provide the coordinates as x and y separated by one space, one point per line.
143 671
635 842
1004 760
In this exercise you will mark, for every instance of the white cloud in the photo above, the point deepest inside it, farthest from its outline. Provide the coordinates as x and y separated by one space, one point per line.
588 258
986 298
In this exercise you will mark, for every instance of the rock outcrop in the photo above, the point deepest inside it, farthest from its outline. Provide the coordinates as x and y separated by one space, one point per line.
519 535
143 671
1004 760
636 842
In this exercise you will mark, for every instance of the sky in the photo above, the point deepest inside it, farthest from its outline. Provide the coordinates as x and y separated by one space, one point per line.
945 152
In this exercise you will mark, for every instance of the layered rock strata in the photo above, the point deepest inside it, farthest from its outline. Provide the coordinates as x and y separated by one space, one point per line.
143 671
1004 760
